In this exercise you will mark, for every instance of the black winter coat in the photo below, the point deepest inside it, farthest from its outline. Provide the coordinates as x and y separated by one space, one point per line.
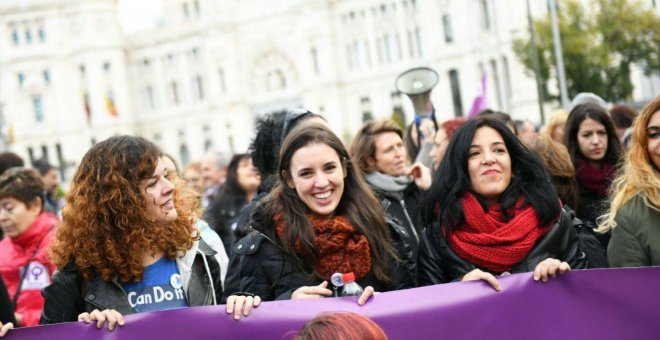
70 295
268 271
439 264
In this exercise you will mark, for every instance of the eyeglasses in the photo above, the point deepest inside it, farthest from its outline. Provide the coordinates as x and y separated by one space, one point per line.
290 120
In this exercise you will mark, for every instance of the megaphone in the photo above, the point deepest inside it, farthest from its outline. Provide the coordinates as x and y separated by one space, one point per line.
417 84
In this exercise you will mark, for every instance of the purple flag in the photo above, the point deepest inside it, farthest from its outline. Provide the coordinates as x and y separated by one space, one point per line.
585 304
480 102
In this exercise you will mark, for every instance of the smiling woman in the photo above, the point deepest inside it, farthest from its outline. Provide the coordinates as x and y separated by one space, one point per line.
319 219
492 210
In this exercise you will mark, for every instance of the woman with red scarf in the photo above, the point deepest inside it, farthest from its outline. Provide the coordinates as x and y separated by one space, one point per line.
29 229
595 149
319 219
491 210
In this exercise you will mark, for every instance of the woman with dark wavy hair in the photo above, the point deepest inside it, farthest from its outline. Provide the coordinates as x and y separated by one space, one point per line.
595 149
319 219
492 209
126 244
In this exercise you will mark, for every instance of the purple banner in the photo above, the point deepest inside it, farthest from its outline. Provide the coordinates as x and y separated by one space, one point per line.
587 304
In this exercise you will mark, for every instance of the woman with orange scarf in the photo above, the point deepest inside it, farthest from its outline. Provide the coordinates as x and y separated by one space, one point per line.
320 219
492 209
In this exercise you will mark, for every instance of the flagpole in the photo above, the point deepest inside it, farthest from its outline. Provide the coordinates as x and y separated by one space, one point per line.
556 38
535 63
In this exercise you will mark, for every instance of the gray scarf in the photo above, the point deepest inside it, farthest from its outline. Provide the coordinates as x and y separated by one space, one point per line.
388 183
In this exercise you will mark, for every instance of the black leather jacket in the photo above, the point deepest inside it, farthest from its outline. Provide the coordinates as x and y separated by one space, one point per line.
70 295
439 264
265 269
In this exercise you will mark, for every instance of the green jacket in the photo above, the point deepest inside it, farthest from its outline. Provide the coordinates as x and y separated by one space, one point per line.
635 240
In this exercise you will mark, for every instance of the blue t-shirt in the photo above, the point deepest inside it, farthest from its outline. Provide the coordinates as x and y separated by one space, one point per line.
162 288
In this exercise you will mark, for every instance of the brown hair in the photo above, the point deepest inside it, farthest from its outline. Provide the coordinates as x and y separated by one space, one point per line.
357 203
105 228
559 165
363 147
22 184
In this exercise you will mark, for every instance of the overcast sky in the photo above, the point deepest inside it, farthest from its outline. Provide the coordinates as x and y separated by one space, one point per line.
135 15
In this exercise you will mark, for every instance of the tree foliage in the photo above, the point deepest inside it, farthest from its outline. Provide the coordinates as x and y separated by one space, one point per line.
599 43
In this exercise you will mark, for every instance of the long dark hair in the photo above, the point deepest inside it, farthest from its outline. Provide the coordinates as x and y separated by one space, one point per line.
529 179
357 203
231 189
597 113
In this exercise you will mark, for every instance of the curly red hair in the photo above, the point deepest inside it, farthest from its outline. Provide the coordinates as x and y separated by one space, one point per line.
105 228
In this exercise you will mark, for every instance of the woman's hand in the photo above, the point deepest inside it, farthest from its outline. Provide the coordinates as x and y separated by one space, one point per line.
5 328
421 175
238 303
550 267
368 292
112 316
479 274
312 292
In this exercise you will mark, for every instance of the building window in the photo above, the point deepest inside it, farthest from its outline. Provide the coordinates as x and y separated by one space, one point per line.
42 34
184 155
28 36
174 92
418 37
446 25
106 67
379 49
60 159
508 88
315 60
14 36
197 9
411 44
151 102
399 49
38 107
367 48
485 14
221 78
389 48
365 106
275 81
46 76
456 93
496 82
198 85
186 11
349 56
21 78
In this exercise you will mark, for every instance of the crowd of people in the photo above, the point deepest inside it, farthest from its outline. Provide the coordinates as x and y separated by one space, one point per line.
302 215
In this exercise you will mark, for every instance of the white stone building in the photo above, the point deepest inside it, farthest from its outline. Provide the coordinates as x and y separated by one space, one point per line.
70 77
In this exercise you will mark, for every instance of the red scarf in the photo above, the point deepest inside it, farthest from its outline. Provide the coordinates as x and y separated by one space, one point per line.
340 247
596 179
491 243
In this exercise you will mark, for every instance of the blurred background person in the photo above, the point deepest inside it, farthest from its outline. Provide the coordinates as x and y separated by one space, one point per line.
634 216
239 189
526 129
50 177
24 262
214 173
341 325
623 117
192 174
555 126
559 165
502 117
378 151
9 160
441 140
595 150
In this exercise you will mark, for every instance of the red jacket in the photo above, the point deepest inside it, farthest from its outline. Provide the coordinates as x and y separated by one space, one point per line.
14 254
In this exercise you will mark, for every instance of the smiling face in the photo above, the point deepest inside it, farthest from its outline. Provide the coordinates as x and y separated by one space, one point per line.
158 192
16 217
390 156
317 175
653 133
489 164
592 140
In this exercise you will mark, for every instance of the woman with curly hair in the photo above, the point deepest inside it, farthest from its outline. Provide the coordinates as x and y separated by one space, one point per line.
126 244
319 219
634 216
